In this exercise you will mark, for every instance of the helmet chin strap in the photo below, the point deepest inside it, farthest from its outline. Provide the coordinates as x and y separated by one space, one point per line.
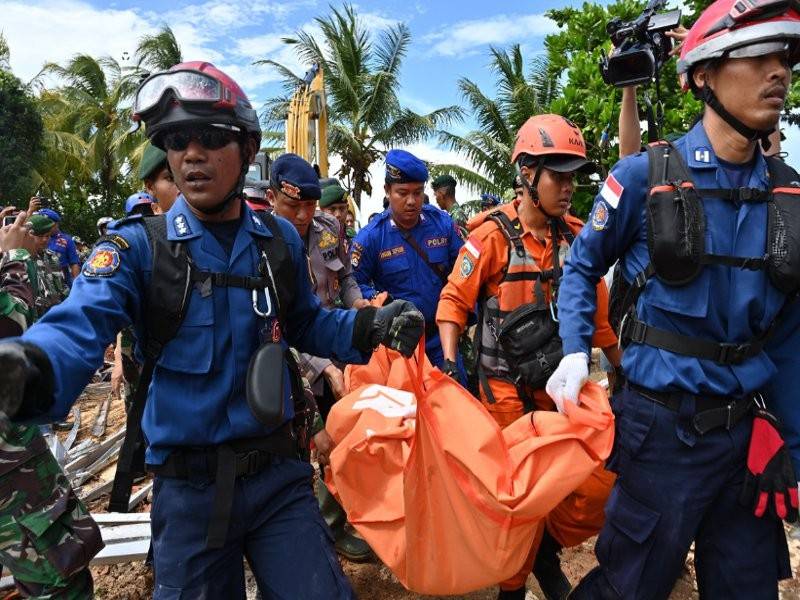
710 98
533 188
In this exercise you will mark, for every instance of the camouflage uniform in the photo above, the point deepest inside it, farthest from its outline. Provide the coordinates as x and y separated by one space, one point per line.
50 287
47 537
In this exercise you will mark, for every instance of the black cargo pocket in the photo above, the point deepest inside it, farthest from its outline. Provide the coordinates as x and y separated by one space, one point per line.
624 545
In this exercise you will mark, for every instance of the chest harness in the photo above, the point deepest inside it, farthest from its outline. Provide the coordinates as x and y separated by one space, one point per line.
517 336
676 228
174 273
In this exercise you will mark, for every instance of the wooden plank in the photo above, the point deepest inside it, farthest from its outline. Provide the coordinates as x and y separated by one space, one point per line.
124 552
139 496
121 518
96 492
126 533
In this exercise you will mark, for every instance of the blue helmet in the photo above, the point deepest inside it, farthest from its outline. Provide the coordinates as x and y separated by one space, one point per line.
50 213
138 199
488 200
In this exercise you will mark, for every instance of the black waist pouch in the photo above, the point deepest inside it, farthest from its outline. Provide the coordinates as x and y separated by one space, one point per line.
530 343
264 388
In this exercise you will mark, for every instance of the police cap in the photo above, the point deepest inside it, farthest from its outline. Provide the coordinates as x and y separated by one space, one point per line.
404 167
295 177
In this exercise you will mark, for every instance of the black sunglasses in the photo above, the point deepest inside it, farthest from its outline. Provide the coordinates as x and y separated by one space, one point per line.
211 138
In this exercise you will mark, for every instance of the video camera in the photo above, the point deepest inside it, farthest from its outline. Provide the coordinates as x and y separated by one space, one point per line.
641 46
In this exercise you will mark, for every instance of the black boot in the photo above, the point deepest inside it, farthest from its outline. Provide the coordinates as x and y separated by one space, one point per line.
547 570
518 594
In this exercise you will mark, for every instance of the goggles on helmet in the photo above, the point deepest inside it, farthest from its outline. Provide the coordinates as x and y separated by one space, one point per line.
187 86
760 49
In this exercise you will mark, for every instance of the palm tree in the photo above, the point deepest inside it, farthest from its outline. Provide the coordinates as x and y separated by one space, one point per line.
521 93
87 123
361 83
158 52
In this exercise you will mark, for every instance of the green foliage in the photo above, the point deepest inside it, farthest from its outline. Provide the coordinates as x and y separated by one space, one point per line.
21 132
523 90
361 84
160 51
574 54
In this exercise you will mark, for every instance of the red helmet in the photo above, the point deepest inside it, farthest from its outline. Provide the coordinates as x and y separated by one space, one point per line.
193 93
556 139
741 28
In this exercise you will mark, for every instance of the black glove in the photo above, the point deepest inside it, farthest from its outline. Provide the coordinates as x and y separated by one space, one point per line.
450 368
26 380
398 325
770 485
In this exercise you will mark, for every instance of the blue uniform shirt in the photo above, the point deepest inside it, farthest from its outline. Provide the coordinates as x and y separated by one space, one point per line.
62 244
197 396
384 262
722 304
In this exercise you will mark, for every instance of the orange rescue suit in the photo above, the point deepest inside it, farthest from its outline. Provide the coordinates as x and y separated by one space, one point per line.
481 276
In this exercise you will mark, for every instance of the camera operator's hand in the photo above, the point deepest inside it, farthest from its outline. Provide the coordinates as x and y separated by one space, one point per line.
679 36
15 235
34 205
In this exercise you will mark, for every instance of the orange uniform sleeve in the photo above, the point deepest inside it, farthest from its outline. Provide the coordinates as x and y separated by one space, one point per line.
603 336
477 270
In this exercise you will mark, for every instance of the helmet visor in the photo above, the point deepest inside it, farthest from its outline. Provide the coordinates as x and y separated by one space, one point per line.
188 86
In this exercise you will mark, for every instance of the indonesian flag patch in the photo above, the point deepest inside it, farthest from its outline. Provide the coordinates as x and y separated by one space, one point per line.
474 247
612 191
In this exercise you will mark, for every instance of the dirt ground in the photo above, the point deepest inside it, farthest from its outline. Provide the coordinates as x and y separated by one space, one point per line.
371 581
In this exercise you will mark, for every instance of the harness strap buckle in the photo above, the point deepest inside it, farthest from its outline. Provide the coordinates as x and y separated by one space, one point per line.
732 354
251 463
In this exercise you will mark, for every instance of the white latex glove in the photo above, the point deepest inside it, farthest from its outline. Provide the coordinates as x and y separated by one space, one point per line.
568 379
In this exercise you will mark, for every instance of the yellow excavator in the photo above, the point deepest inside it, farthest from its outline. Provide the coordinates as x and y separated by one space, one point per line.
306 127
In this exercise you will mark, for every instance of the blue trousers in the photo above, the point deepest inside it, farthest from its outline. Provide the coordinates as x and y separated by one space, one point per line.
674 487
275 523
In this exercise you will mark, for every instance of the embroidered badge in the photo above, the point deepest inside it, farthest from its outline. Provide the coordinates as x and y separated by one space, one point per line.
599 216
392 252
290 190
612 191
327 240
355 254
103 262
437 242
257 222
467 267
18 254
702 154
182 226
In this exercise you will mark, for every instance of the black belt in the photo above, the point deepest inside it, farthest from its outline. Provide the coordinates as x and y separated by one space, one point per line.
223 464
711 412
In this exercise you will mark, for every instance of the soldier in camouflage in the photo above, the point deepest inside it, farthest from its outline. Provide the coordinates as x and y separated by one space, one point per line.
47 537
50 287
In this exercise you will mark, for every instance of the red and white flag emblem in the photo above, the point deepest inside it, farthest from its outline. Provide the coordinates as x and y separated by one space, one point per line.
474 247
612 191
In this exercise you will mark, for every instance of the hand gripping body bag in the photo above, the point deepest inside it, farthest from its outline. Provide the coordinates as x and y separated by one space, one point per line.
448 500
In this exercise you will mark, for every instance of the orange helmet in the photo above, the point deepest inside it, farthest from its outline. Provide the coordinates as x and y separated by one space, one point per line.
557 140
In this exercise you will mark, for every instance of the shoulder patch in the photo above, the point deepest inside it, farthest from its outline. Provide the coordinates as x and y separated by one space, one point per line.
474 246
327 240
18 254
103 262
599 216
467 267
355 254
116 239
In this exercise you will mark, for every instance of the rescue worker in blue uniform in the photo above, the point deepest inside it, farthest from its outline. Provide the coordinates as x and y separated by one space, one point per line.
227 485
711 260
64 246
409 249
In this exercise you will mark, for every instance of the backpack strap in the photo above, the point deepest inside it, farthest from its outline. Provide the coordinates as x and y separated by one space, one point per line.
167 300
